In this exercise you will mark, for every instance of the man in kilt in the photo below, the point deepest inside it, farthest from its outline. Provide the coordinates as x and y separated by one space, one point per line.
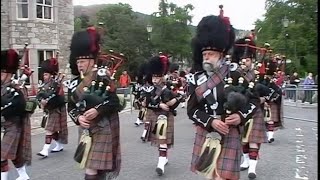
244 54
160 105
16 138
55 112
217 146
273 107
99 119
138 95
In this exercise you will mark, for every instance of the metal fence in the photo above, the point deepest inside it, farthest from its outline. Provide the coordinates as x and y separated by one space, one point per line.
302 94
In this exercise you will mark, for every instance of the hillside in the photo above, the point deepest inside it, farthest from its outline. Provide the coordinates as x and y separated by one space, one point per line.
92 10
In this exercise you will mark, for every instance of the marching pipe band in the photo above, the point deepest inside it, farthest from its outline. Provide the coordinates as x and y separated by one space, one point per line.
94 105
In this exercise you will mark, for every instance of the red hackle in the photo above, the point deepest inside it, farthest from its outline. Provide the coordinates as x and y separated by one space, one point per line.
94 47
53 62
225 20
165 62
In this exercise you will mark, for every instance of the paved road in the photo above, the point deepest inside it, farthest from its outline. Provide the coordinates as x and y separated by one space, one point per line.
292 156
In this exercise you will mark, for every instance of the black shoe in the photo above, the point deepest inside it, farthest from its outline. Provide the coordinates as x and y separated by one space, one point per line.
41 155
243 168
53 151
271 140
252 175
159 171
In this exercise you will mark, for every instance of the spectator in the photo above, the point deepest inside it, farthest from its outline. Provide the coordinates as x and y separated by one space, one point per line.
280 78
124 82
308 82
294 83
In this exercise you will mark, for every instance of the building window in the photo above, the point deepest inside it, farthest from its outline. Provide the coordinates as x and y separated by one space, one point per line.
44 9
43 55
22 9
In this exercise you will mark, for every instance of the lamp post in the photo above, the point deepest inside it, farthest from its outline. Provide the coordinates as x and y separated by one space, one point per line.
285 23
149 30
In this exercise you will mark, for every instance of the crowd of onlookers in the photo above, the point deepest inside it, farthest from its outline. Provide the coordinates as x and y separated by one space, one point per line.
304 89
295 87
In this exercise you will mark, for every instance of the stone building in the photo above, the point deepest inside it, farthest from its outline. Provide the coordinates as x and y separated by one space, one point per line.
46 25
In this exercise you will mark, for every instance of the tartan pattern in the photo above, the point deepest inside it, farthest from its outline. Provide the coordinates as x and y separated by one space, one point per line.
212 81
152 116
57 122
228 163
10 140
24 153
276 115
105 153
258 132
249 76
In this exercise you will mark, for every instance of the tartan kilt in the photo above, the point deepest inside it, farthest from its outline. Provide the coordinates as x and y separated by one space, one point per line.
10 139
276 115
152 117
258 132
105 153
229 160
24 148
57 122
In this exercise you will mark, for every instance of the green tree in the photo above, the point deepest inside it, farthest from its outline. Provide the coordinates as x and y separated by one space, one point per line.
171 33
302 32
124 33
77 24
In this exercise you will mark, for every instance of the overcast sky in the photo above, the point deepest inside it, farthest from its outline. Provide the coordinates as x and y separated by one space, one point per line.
242 13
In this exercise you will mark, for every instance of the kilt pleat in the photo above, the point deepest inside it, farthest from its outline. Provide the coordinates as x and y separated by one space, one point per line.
276 115
105 152
57 122
24 153
258 132
228 163
152 116
10 139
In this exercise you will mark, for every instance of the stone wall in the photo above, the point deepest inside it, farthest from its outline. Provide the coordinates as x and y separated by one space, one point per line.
65 31
4 25
39 34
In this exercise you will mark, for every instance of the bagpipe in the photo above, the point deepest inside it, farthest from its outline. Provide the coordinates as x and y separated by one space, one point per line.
95 88
52 91
154 95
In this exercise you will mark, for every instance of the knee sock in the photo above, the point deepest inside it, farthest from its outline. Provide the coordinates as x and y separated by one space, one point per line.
270 127
163 150
245 148
48 139
91 177
4 166
55 136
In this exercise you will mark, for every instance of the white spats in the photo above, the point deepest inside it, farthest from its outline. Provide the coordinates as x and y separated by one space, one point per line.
138 122
45 151
160 167
58 148
22 173
270 136
4 175
245 163
252 169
